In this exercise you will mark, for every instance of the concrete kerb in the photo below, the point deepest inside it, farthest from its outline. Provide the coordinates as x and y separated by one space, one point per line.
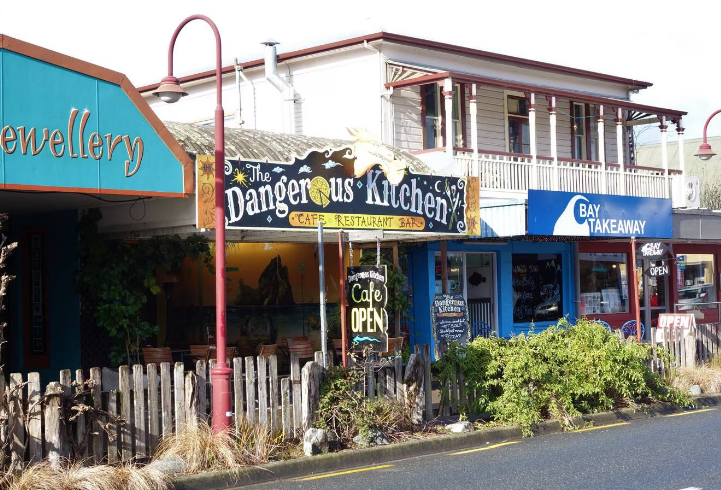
304 466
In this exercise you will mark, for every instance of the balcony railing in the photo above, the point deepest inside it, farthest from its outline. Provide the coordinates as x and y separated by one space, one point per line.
514 173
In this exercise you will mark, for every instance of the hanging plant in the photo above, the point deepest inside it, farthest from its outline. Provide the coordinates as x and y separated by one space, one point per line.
119 276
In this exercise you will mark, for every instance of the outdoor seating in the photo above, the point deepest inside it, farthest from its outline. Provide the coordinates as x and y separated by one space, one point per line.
265 350
198 352
157 355
629 329
480 329
303 348
246 347
229 354
393 344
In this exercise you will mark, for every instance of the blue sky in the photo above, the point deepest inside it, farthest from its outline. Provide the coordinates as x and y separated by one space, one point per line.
660 41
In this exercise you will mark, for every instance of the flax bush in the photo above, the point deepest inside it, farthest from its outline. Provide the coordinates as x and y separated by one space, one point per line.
562 372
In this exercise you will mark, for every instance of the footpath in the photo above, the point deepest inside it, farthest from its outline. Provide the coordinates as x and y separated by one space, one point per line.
310 465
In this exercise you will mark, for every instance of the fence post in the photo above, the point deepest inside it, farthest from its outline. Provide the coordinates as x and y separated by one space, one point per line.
139 413
285 407
153 408
273 381
179 389
262 391
166 400
113 428
250 388
191 400
238 390
66 382
311 392
97 437
201 371
53 425
297 397
35 422
428 381
126 430
398 365
80 421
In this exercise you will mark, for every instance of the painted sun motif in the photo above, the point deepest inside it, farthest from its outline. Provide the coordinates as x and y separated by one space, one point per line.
240 178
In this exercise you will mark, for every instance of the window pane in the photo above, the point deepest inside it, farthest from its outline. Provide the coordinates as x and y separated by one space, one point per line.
579 147
695 280
514 137
522 107
455 273
430 99
512 105
456 102
604 283
526 138
431 137
537 287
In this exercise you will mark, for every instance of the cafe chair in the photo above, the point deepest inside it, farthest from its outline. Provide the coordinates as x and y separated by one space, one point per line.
157 355
629 329
393 344
480 329
266 350
303 348
229 354
198 352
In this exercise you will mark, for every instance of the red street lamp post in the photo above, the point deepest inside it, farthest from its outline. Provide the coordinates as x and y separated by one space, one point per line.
170 91
704 150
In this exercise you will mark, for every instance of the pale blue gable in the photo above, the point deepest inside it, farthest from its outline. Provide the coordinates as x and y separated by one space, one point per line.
85 130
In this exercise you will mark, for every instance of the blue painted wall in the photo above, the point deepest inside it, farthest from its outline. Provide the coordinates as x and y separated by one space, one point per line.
422 277
61 259
39 95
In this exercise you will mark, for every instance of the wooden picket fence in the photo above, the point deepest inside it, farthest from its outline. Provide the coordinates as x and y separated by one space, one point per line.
154 401
697 348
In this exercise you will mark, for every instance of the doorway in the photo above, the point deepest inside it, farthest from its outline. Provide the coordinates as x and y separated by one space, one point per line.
653 296
473 275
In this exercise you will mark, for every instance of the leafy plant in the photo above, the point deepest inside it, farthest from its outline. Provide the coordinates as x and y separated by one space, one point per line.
345 412
118 276
564 371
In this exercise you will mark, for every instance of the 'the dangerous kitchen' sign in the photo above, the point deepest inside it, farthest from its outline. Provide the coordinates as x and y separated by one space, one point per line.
367 297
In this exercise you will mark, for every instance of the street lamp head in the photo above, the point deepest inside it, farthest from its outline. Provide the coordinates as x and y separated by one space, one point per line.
704 152
169 90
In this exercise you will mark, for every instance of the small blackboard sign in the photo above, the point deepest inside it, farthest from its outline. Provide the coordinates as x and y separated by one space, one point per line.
449 314
367 296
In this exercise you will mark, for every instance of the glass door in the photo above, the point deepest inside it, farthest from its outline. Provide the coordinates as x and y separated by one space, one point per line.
653 296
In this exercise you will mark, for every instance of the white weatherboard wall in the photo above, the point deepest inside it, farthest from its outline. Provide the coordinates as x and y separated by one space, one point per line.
339 91
502 71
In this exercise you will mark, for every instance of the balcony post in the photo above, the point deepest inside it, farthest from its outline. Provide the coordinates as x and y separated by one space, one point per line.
554 145
602 148
448 94
681 161
620 151
532 130
664 154
474 132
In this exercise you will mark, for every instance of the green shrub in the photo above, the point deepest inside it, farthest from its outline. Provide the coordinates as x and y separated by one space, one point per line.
345 412
564 371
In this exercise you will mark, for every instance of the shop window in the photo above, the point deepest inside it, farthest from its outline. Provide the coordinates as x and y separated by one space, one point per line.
434 107
604 283
455 273
537 287
695 279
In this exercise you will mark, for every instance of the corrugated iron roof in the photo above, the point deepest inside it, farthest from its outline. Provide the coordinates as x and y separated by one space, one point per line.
250 144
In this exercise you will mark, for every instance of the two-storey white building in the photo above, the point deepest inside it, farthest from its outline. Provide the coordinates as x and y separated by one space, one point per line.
518 125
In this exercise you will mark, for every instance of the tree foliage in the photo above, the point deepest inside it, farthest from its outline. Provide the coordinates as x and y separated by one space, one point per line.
118 277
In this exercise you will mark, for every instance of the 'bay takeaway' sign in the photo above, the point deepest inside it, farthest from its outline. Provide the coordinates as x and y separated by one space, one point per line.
367 297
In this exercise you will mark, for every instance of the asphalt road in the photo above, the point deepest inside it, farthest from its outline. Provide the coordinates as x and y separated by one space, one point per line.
680 451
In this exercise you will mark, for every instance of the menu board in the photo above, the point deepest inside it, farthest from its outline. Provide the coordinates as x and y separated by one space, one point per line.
537 287
449 314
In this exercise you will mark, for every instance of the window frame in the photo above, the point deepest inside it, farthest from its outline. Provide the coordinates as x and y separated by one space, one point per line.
625 300
459 96
518 118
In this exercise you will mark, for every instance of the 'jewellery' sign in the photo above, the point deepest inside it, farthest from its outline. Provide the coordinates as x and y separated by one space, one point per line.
330 186
571 214
76 142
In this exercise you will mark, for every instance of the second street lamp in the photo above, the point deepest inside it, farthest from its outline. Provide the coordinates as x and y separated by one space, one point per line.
704 150
170 91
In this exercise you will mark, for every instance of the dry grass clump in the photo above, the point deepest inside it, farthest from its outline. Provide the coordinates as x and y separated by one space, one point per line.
707 376
201 450
41 476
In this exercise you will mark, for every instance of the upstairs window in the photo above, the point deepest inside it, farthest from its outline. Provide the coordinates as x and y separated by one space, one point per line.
434 111
519 134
